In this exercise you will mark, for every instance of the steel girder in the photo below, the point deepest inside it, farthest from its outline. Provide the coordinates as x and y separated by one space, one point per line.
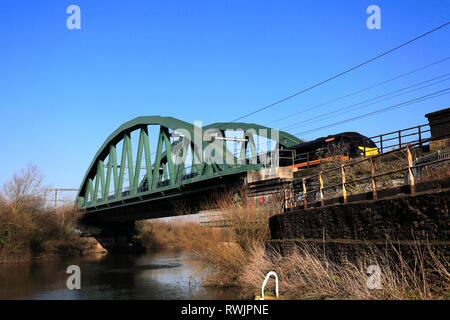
168 168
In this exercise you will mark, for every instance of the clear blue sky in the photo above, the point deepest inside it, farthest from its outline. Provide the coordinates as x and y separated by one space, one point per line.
62 92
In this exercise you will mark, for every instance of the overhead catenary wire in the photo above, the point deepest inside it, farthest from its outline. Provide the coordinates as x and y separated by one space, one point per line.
341 73
364 103
315 107
396 106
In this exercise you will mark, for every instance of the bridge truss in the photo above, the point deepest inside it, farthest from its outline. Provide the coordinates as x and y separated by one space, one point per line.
160 155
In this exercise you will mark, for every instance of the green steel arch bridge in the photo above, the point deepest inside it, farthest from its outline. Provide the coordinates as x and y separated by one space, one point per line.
164 162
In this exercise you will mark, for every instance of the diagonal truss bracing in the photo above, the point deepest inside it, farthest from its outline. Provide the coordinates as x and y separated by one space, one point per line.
180 156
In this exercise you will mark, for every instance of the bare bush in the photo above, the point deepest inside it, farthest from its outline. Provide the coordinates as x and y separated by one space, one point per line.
24 190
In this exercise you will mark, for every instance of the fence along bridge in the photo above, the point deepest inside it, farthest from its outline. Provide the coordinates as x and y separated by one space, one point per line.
164 160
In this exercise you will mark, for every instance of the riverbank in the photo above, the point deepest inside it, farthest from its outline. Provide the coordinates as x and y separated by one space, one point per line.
29 228
237 257
39 234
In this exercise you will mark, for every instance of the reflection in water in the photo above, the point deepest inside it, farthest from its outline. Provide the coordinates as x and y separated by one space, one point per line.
149 276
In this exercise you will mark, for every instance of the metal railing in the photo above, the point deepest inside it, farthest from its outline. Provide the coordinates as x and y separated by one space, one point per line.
412 166
384 142
400 138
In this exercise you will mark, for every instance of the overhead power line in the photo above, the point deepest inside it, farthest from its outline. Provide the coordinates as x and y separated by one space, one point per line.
315 107
342 73
364 103
396 106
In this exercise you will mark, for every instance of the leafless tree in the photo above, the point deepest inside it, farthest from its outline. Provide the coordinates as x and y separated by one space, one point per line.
24 190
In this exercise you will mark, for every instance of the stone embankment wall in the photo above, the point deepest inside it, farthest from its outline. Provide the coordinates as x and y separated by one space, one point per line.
346 229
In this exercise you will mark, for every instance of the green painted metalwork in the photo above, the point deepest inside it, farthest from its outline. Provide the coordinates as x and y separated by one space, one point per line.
285 139
171 167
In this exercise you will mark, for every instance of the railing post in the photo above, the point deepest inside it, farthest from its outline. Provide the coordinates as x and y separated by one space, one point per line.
344 191
322 200
410 172
289 199
305 203
372 173
381 143
399 139
420 137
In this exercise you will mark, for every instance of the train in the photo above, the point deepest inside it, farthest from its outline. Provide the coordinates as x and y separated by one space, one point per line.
345 145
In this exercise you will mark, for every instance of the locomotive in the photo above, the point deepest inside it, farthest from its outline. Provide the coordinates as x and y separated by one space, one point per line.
345 145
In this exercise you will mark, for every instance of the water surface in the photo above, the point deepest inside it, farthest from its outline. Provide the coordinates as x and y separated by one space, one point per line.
165 275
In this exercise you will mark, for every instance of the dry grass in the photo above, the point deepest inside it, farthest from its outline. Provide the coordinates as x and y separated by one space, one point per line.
305 274
436 172
160 235
224 252
361 170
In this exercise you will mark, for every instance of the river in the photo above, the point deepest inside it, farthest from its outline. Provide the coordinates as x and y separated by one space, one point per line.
162 275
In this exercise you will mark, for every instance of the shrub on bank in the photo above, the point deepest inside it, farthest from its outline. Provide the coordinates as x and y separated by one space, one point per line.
28 229
24 236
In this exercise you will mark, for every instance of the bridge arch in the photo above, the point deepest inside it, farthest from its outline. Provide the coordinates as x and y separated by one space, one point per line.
178 158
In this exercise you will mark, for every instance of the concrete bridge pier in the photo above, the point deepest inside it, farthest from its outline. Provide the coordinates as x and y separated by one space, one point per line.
119 237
